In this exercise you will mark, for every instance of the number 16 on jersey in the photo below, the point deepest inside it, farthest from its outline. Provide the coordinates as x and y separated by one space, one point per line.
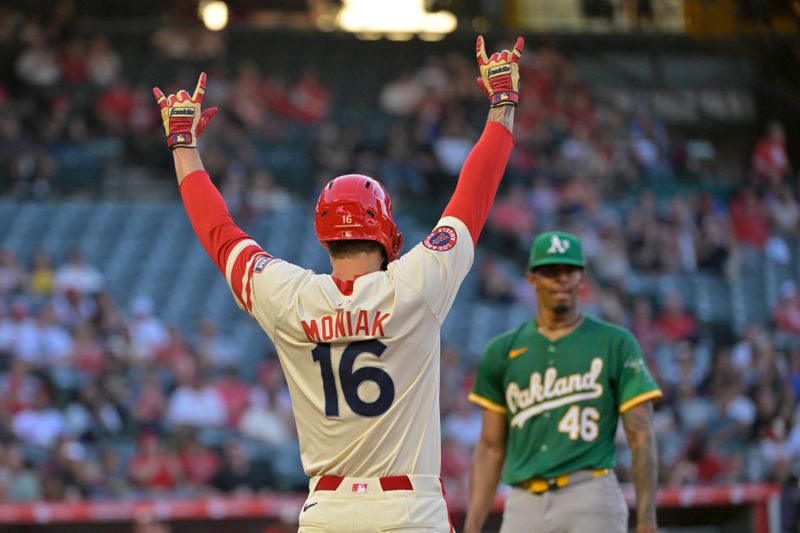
351 379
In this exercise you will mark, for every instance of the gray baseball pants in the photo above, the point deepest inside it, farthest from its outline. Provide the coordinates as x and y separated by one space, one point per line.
593 506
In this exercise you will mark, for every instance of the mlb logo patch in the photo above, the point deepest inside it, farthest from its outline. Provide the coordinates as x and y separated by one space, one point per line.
441 239
359 488
261 263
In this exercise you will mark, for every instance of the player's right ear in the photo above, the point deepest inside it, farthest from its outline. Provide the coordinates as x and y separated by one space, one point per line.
532 278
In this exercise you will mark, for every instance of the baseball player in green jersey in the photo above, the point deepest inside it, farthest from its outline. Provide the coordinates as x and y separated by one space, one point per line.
552 390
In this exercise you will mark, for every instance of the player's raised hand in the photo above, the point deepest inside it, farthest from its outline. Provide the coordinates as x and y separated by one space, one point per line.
181 114
499 77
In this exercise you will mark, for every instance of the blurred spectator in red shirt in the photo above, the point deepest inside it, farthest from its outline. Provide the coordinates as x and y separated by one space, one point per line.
235 394
513 215
199 462
176 354
275 95
749 218
88 354
154 467
151 402
114 107
455 468
675 323
698 466
140 121
787 312
73 62
770 162
309 99
18 387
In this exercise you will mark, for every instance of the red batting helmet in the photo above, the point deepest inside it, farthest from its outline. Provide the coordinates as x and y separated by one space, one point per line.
356 207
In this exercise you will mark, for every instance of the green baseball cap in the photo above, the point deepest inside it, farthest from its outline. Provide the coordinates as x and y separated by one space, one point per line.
556 248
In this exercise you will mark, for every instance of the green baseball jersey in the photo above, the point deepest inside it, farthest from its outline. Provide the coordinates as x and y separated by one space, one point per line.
562 398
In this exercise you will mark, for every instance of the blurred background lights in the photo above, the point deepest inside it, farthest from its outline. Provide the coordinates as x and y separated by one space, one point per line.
397 19
214 14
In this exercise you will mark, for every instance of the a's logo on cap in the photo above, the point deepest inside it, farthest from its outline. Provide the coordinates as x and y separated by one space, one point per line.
441 239
557 245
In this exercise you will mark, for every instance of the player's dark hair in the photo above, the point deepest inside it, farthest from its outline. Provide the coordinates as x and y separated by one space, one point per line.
339 249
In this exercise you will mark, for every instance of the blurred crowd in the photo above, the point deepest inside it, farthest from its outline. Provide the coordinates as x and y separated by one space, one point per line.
97 401
101 402
70 106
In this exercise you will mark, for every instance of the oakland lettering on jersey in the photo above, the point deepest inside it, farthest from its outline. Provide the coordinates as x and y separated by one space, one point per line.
345 324
552 392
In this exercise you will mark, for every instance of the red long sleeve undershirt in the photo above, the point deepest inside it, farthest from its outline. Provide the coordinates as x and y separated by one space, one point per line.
210 218
480 176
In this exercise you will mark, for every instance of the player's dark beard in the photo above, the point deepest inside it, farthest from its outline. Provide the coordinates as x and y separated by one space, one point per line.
561 309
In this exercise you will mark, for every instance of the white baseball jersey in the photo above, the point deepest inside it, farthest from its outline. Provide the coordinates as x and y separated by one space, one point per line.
362 368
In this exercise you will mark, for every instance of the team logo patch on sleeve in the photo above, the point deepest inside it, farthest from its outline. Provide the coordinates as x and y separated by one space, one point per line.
441 239
261 263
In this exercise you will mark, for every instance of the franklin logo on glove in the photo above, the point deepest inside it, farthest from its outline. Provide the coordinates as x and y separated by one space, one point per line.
183 122
505 69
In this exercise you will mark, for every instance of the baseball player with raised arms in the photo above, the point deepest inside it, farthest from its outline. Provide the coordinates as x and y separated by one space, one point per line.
553 389
359 346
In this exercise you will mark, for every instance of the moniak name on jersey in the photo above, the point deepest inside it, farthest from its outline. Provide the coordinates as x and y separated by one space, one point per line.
345 324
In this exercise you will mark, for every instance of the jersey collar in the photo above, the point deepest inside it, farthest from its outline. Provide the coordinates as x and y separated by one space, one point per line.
577 326
345 286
